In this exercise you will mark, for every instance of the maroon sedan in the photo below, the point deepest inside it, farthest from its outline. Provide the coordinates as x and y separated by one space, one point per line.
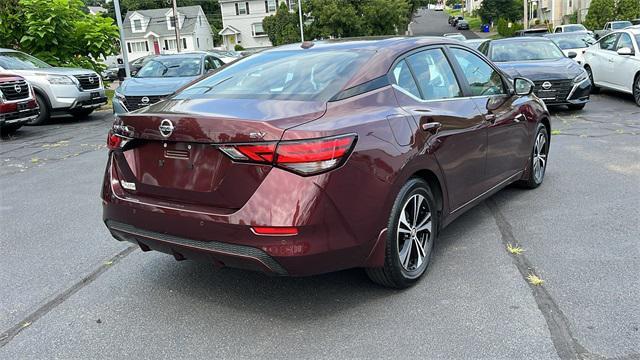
312 158
17 103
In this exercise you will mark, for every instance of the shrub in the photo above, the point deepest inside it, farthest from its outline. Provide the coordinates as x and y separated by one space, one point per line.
238 47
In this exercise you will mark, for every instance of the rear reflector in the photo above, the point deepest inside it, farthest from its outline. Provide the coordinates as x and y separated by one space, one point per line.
304 157
274 231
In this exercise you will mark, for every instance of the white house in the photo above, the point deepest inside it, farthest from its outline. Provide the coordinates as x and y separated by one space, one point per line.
242 21
152 31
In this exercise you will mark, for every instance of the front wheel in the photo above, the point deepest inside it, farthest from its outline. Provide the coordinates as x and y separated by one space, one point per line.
594 88
411 232
539 157
636 90
10 129
43 116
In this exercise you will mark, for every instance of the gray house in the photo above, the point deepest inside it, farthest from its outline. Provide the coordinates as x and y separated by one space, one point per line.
152 31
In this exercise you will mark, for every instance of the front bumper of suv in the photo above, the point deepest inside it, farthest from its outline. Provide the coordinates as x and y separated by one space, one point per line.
70 97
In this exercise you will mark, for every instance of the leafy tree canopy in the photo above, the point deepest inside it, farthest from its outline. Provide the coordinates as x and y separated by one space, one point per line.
600 11
58 32
628 9
492 10
283 27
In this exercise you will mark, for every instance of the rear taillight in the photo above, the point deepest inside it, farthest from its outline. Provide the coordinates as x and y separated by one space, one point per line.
304 157
113 141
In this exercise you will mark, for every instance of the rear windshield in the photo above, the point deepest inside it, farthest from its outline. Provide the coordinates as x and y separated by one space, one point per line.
573 42
572 28
306 75
170 67
525 51
20 61
620 25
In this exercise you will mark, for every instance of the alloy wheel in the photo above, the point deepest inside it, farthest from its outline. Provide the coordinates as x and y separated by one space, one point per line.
636 90
414 233
539 157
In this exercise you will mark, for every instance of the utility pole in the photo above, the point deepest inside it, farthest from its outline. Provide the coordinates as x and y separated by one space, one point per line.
176 25
123 45
526 14
301 24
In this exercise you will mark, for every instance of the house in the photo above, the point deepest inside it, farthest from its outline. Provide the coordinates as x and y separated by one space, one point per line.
242 22
95 10
152 31
472 5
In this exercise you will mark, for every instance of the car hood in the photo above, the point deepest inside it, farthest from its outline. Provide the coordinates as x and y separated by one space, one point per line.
153 86
558 69
55 71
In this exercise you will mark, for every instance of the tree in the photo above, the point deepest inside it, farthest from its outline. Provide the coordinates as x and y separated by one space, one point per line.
334 18
60 33
492 10
600 11
627 9
282 28
384 17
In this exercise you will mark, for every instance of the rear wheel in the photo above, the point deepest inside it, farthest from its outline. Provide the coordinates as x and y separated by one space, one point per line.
43 117
10 129
594 88
636 90
576 106
412 230
539 155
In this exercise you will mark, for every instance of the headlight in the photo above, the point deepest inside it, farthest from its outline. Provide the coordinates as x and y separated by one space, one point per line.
60 80
582 77
119 96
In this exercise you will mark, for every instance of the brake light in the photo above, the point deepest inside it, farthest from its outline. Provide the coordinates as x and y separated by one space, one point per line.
113 141
274 231
304 157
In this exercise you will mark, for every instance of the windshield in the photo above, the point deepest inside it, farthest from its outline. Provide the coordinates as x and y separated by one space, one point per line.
170 67
620 25
20 61
525 51
573 42
290 75
572 28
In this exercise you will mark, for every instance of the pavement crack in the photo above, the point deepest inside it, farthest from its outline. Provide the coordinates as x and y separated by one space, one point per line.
567 347
61 297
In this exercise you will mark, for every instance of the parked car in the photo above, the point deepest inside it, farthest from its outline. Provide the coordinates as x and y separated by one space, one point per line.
161 77
614 62
635 21
137 64
455 20
57 89
571 28
456 36
611 26
17 103
226 56
532 32
439 7
462 25
573 43
451 19
558 79
264 165
474 43
110 73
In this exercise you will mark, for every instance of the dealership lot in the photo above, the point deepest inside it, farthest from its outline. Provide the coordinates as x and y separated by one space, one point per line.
70 290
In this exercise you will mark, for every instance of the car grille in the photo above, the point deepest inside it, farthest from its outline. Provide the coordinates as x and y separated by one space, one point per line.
10 90
557 93
88 81
135 102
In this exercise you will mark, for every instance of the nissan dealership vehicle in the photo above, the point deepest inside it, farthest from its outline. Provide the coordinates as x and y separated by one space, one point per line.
614 62
558 79
57 89
17 103
293 163
160 77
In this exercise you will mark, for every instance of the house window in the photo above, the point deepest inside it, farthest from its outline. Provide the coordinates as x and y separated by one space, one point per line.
242 8
138 46
270 6
184 43
170 44
198 42
258 30
292 5
200 20
136 25
171 22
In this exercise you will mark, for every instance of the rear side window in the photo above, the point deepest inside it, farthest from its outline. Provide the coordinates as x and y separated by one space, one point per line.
404 79
304 75
482 78
608 42
624 42
434 75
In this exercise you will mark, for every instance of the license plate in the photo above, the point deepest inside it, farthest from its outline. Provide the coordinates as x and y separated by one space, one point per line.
95 95
546 94
22 105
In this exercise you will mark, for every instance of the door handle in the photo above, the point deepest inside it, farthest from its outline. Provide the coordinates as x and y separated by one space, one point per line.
431 126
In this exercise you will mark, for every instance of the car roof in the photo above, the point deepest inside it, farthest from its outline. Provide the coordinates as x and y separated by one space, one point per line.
8 50
567 34
181 55
521 39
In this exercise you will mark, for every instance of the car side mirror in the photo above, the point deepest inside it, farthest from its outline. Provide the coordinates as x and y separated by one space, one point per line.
133 72
572 55
625 51
523 86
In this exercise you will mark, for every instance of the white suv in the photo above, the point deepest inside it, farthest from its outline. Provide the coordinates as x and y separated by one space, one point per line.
614 62
58 90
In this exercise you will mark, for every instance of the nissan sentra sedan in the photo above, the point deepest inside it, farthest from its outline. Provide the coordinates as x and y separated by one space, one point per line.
292 163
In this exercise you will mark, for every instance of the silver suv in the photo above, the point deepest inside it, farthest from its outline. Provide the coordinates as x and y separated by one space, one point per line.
58 90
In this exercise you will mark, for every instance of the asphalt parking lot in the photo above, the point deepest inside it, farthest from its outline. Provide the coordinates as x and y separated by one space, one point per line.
71 291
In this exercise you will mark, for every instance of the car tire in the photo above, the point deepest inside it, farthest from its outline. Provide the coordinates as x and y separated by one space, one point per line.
80 113
10 129
594 88
636 90
539 159
410 238
576 106
43 117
